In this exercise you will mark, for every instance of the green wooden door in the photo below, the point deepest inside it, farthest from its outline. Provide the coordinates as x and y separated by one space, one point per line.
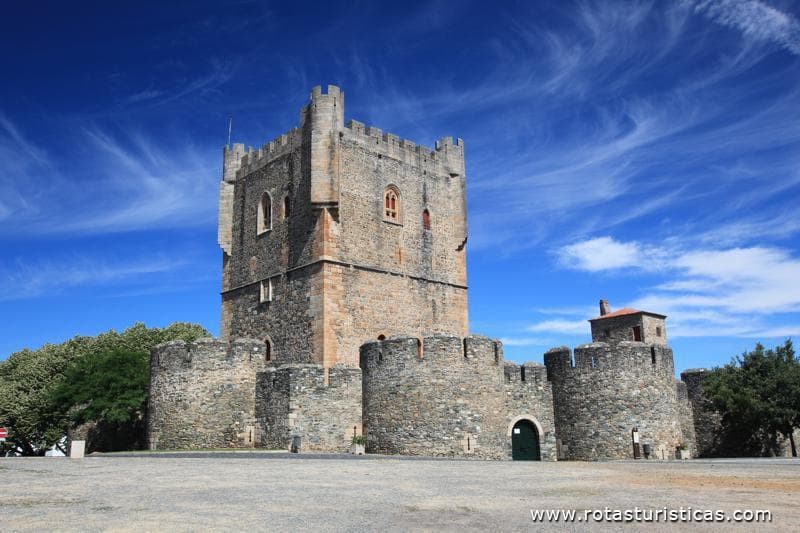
525 442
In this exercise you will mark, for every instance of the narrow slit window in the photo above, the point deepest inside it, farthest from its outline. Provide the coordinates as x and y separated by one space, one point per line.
287 206
266 291
426 220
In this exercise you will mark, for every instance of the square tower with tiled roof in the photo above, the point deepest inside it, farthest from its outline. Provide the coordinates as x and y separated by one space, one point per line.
628 324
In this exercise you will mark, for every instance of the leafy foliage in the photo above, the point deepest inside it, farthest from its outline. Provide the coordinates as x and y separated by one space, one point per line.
758 395
100 379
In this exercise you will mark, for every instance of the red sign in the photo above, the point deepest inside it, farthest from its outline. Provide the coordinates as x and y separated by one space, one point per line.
3 433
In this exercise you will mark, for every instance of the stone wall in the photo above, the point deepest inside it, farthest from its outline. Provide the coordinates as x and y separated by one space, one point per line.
615 329
529 396
322 406
369 165
202 394
447 396
687 417
651 327
369 304
610 390
707 420
289 321
620 329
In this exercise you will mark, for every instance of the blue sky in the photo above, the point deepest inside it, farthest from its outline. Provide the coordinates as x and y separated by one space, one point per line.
643 152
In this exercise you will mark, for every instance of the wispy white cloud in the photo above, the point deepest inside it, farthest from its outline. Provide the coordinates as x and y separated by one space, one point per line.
756 20
220 73
602 253
123 182
24 280
569 327
706 291
526 341
624 117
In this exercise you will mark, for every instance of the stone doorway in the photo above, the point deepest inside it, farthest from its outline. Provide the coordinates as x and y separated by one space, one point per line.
525 442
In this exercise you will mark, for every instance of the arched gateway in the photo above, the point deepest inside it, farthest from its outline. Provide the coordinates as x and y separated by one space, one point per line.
525 441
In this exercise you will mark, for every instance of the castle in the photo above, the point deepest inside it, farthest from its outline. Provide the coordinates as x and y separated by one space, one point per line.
344 313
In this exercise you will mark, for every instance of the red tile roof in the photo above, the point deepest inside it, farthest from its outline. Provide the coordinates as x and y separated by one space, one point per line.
626 311
623 311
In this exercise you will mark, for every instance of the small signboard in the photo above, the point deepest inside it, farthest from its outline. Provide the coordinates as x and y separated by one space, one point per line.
3 434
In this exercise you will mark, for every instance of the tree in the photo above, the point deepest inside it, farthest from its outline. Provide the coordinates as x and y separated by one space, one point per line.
36 404
758 396
107 392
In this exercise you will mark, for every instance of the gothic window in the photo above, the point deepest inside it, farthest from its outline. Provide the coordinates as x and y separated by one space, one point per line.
426 220
264 213
391 204
286 206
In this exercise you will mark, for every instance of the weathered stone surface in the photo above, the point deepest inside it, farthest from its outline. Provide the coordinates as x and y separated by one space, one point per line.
448 396
314 271
342 275
616 329
611 389
202 394
321 405
707 420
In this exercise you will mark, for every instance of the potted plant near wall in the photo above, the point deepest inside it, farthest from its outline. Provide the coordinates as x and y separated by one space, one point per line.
682 451
358 444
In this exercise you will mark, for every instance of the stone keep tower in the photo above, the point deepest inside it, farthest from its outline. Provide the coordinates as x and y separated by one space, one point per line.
334 235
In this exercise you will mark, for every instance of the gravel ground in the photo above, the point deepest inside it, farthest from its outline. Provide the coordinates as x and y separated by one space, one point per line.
263 491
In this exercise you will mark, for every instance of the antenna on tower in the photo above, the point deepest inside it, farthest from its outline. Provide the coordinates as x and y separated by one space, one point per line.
230 126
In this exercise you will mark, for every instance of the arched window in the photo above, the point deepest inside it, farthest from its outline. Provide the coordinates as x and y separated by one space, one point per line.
268 348
391 204
381 337
426 220
286 206
265 213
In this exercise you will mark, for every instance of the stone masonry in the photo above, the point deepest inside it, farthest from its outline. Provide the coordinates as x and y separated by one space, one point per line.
444 395
201 394
610 390
344 302
320 405
333 257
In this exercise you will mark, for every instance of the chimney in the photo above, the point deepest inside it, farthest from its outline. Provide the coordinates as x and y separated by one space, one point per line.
604 308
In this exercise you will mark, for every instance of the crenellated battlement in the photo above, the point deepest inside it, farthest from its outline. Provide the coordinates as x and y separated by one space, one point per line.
254 159
447 158
601 357
435 350
208 354
333 92
529 373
